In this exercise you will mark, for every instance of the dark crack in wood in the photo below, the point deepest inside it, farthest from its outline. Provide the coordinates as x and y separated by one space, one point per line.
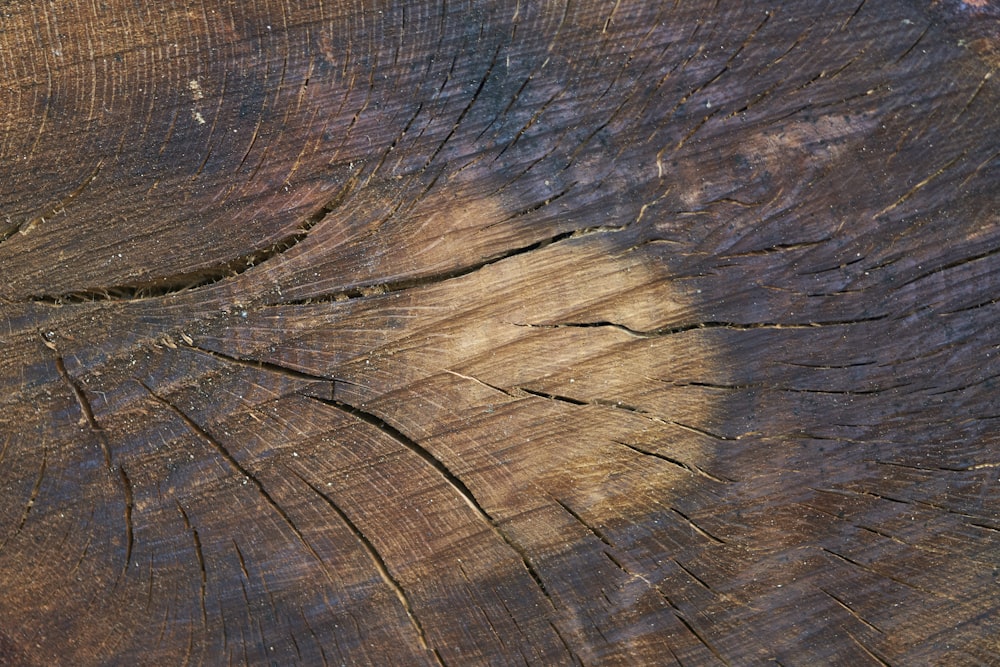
448 476
380 565
387 287
33 496
690 467
183 282
696 528
129 506
199 554
81 398
258 364
852 612
700 638
711 324
28 225
619 405
246 474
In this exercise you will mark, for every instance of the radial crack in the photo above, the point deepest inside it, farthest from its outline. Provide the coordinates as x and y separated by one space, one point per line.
867 650
431 278
711 324
877 573
852 612
449 477
231 460
700 638
196 539
35 489
618 405
690 467
596 532
190 280
129 505
28 225
912 191
380 566
478 381
696 528
81 398
258 364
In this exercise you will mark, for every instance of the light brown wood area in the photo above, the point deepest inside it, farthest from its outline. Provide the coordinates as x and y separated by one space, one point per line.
459 333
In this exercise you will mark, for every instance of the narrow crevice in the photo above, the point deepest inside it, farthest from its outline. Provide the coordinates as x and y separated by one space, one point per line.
975 94
78 392
476 380
315 638
243 562
617 563
696 528
916 188
576 659
395 142
850 18
538 205
35 489
690 467
196 539
865 568
984 526
610 546
503 640
951 265
702 123
191 280
867 650
778 247
379 563
700 638
893 538
28 225
527 125
231 460
465 111
553 397
712 324
449 477
976 306
618 405
716 385
845 392
908 466
129 506
828 367
692 574
851 611
389 287
81 398
597 533
258 364
937 507
917 41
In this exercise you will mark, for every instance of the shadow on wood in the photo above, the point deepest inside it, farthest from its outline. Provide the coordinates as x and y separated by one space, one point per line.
441 333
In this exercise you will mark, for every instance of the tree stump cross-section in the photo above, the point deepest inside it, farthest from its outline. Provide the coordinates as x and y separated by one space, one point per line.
452 333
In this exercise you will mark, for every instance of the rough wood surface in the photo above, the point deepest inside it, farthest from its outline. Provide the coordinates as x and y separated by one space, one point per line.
481 332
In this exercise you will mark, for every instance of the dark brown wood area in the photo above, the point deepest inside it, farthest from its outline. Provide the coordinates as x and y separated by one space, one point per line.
459 333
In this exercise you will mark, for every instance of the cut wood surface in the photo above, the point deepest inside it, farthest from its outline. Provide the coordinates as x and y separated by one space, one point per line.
457 333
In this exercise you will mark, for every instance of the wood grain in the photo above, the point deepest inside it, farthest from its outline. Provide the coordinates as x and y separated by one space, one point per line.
499 332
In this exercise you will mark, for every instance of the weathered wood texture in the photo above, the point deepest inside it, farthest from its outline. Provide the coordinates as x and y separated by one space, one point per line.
499 332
